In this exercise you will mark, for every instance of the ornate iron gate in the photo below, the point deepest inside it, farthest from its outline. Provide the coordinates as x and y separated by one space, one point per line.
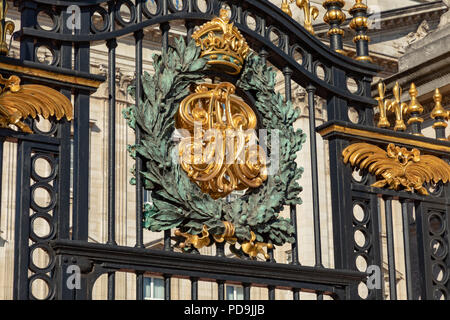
279 40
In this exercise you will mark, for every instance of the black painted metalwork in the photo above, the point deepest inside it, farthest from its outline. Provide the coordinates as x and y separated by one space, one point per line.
425 218
194 288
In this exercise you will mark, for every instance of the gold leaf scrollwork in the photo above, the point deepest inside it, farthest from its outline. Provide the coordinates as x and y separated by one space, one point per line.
228 235
251 248
397 167
18 102
216 150
194 240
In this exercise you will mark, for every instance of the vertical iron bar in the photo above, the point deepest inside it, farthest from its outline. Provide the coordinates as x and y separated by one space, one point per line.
139 285
167 289
189 24
390 247
220 290
62 214
22 222
165 27
246 291
81 141
293 208
406 210
189 30
28 18
194 288
264 54
111 285
112 45
314 173
271 290
138 36
220 249
296 294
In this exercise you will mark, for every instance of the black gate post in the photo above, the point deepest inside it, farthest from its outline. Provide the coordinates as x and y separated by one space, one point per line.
344 198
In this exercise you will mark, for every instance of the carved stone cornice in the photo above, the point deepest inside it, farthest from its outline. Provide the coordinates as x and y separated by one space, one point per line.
392 20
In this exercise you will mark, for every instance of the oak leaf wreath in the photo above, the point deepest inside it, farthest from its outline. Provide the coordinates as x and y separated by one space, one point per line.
177 202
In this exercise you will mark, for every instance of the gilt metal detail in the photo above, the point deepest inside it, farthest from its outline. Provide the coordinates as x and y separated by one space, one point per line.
310 12
5 28
222 44
216 151
397 167
17 102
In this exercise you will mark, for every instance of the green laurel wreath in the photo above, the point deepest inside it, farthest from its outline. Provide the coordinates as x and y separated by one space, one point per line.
177 201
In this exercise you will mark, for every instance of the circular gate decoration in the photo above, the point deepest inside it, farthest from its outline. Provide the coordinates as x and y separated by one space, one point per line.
217 152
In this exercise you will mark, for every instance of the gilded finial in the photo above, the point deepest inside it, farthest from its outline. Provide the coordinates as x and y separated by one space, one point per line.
286 7
439 114
360 24
310 12
383 106
398 108
414 109
5 27
334 17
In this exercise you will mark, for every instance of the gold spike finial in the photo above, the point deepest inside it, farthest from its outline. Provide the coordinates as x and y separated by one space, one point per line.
414 108
438 111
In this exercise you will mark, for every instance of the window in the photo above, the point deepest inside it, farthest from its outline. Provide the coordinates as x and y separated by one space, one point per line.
153 288
147 196
234 293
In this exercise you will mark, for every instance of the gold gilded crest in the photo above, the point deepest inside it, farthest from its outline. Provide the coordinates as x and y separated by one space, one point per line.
216 149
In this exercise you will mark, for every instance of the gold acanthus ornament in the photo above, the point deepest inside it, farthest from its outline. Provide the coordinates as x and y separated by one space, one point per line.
216 149
397 167
17 102
310 12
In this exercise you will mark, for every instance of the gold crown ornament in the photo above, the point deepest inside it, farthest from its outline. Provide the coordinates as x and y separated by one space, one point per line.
222 44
